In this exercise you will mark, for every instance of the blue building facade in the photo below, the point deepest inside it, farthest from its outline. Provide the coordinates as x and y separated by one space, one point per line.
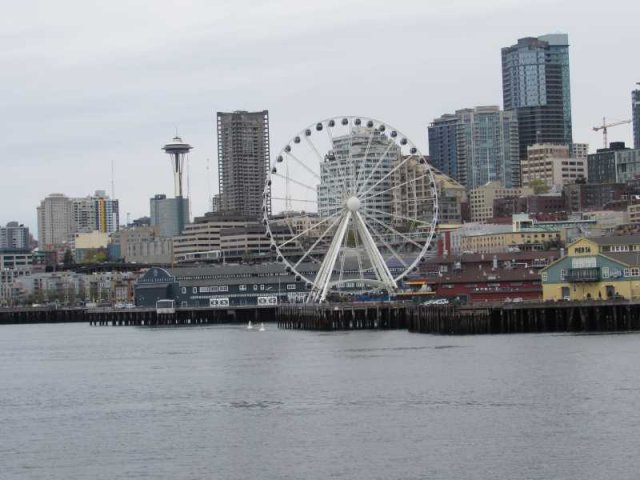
536 85
442 145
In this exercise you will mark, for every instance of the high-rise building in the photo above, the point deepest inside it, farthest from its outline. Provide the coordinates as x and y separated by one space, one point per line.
486 146
635 105
535 85
60 217
95 213
442 144
14 237
166 214
55 221
243 161
364 147
107 213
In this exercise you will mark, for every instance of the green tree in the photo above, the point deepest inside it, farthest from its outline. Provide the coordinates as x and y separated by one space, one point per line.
539 186
67 260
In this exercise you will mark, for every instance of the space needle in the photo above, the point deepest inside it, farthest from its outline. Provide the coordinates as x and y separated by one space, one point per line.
178 150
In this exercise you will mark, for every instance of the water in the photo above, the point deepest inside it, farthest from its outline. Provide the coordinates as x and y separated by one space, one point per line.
82 402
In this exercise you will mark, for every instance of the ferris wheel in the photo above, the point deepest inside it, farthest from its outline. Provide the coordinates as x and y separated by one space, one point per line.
350 205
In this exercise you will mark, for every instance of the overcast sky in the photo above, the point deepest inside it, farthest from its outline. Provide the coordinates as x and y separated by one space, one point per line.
84 84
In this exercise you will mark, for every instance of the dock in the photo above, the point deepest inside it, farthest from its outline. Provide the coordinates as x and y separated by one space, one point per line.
143 317
478 319
529 317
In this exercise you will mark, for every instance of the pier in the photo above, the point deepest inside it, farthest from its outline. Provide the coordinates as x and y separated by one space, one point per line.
352 316
138 316
534 317
531 317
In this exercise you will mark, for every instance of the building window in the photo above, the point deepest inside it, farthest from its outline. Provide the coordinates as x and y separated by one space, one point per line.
184 290
242 288
291 286
545 276
563 274
194 289
605 272
223 288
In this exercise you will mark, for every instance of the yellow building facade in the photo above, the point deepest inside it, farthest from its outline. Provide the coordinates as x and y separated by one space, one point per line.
595 269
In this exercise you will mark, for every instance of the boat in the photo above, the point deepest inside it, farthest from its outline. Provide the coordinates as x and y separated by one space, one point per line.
261 327
249 326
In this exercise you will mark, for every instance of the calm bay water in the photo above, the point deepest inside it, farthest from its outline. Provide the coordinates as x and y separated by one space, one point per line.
227 403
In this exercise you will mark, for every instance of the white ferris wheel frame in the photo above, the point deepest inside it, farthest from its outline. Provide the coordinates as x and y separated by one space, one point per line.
349 211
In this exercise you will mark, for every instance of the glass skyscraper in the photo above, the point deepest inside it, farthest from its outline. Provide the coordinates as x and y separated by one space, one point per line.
536 85
480 144
442 145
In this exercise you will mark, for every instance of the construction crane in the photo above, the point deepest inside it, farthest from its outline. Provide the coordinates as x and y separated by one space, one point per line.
605 126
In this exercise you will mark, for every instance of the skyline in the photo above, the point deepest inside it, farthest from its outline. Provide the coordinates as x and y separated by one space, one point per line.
82 90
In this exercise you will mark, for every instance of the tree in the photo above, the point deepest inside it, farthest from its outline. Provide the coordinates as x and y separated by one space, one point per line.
67 260
539 186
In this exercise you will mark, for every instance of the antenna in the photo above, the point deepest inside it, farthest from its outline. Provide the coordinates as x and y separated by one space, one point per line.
189 183
209 197
113 182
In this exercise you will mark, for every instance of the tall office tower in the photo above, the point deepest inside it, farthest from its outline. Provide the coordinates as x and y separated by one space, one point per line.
635 105
55 221
535 85
243 161
442 145
14 237
481 142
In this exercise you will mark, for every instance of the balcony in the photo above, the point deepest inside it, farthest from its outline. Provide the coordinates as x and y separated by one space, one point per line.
591 274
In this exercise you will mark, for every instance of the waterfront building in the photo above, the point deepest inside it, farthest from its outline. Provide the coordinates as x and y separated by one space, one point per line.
595 268
238 284
14 265
616 164
14 237
536 87
243 161
553 165
168 214
482 277
486 147
481 199
635 108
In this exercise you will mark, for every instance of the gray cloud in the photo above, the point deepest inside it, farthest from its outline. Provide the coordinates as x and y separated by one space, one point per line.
85 85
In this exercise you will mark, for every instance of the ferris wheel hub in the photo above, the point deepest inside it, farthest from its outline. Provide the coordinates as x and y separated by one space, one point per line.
353 204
